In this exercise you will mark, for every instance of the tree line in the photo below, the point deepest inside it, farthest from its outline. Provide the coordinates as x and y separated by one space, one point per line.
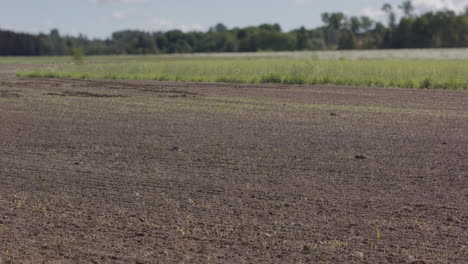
441 29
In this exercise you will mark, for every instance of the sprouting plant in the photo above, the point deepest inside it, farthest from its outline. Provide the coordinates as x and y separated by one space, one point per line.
378 233
20 204
21 200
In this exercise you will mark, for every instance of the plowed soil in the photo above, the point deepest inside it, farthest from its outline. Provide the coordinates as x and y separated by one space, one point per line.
102 171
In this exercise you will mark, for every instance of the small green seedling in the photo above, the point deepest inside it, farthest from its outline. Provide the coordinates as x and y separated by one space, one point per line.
378 233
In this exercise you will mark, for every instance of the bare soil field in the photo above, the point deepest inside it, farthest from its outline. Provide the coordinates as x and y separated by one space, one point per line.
100 171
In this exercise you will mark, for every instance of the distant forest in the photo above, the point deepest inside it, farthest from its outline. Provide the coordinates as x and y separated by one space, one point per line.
442 29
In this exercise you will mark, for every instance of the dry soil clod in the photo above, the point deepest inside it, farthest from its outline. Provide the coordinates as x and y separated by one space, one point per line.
360 157
177 149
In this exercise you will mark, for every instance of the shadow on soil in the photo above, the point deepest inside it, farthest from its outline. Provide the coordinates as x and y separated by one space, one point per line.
84 94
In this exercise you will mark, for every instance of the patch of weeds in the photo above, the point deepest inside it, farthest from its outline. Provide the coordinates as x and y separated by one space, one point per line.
41 207
111 76
344 82
77 55
229 79
294 79
325 80
271 78
409 84
314 81
49 75
371 73
29 74
252 79
163 78
378 83
426 83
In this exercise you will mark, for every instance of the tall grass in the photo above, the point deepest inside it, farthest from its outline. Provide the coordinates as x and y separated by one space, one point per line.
427 74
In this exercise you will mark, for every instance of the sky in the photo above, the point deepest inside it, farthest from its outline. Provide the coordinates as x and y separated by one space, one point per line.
99 18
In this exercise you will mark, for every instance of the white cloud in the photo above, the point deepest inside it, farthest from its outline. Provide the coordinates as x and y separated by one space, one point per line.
374 13
120 15
303 2
164 24
118 1
422 6
191 27
427 5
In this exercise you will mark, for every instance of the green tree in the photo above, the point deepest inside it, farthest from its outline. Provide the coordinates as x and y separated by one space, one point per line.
270 27
355 25
220 27
407 8
334 22
366 23
57 43
347 41
302 39
429 30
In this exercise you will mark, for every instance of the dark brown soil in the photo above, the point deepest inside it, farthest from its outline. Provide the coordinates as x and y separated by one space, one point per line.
8 94
83 94
230 173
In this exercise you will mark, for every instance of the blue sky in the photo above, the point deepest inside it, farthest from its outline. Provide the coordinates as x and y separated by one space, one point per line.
99 18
